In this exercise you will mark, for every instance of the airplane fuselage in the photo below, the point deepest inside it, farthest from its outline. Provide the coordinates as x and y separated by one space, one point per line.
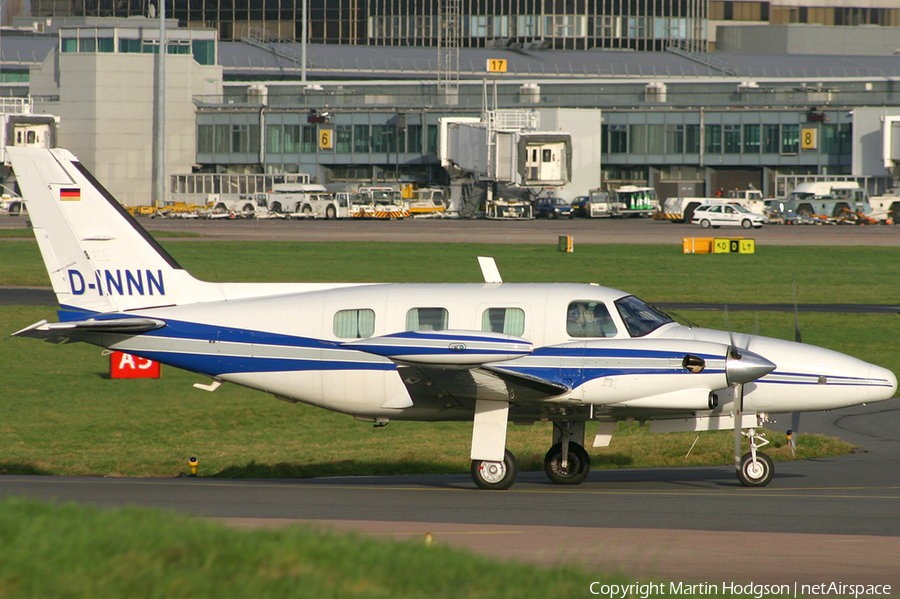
297 346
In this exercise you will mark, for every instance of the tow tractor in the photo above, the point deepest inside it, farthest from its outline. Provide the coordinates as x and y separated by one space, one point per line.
377 202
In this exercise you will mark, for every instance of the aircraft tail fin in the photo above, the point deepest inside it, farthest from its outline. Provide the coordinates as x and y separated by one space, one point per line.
98 257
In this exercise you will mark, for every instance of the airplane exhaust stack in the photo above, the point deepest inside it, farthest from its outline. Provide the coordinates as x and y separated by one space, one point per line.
743 366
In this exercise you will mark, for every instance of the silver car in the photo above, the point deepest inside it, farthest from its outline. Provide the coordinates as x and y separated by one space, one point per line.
727 215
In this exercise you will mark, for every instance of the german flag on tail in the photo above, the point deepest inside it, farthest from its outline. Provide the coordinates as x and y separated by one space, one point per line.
71 194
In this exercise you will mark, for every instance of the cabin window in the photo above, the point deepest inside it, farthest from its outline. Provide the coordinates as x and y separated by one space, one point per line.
589 319
509 321
354 324
426 319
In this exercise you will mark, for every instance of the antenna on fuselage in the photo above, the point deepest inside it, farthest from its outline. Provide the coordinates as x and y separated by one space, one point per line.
489 269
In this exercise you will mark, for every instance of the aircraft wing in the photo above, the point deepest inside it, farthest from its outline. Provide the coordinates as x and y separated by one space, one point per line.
450 365
58 332
449 348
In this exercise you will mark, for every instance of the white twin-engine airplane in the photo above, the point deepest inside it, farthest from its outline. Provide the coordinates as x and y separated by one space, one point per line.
489 352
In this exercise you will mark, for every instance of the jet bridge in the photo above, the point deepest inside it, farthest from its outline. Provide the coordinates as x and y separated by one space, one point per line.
530 150
504 148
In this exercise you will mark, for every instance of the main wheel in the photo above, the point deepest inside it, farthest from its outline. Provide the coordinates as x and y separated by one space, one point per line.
705 223
495 476
758 473
576 470
746 223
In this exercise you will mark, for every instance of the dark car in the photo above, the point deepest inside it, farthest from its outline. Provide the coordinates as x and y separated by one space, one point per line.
553 208
581 206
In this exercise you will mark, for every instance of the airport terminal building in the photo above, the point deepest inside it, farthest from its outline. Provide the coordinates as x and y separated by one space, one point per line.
687 123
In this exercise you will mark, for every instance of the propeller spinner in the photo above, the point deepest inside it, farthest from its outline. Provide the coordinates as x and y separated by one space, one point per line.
743 366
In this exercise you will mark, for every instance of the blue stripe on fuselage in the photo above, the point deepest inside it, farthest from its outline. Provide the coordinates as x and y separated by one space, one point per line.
218 364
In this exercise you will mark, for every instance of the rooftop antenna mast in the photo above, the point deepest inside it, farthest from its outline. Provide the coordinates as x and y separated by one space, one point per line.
449 41
159 130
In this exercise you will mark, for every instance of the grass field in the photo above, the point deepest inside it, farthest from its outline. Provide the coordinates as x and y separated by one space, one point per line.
63 415
76 551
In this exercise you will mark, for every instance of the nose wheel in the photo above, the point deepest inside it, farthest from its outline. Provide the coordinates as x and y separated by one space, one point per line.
756 468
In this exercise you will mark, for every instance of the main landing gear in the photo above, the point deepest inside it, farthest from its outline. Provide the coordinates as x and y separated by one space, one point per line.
496 476
566 463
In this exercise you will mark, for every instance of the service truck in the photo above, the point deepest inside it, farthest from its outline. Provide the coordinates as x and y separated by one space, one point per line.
681 210
306 200
826 198
376 201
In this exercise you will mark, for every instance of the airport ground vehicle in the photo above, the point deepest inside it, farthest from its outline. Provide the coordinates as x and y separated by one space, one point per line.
553 208
681 210
302 200
508 208
375 201
594 205
826 198
632 200
726 215
426 201
628 200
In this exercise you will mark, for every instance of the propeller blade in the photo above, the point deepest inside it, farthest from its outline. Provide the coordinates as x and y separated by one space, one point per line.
738 420
797 336
795 430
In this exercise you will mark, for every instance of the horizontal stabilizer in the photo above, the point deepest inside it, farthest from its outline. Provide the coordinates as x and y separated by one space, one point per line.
449 347
54 332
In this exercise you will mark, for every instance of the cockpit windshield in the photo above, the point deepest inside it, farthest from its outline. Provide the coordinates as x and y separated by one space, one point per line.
640 318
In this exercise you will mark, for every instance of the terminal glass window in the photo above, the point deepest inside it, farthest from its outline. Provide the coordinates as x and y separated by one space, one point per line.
732 134
589 319
656 139
204 51
426 319
292 139
354 324
310 142
790 139
638 139
692 139
361 138
129 46
618 139
674 139
751 139
343 138
205 139
509 321
274 139
69 44
714 139
415 138
222 139
105 44
432 141
240 138
771 138
384 138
